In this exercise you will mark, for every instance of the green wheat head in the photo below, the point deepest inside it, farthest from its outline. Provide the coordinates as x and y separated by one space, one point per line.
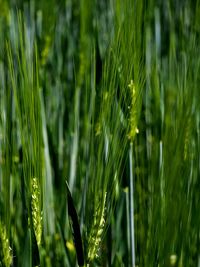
36 210
5 250
133 112
97 228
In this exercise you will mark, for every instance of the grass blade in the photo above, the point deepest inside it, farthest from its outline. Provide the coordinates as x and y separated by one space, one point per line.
75 228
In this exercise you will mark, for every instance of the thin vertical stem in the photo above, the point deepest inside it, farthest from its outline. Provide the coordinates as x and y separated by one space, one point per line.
132 234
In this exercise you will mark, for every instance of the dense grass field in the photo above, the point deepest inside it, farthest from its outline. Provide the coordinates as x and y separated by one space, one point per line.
100 133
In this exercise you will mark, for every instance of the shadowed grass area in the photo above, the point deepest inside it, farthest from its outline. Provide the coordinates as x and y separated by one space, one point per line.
104 95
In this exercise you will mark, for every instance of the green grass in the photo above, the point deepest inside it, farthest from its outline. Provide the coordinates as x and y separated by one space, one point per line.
104 95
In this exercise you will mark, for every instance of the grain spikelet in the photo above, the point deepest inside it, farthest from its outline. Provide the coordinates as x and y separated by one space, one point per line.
95 235
5 250
133 112
36 210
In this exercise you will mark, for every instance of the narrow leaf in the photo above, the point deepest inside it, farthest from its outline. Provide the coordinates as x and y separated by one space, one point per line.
75 228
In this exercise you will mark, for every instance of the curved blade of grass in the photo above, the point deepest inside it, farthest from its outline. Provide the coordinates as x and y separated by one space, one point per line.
75 228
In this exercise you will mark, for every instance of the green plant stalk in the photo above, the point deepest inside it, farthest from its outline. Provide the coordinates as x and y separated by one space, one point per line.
131 196
48 197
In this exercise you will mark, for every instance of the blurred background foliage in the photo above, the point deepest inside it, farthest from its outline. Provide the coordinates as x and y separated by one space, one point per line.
103 94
